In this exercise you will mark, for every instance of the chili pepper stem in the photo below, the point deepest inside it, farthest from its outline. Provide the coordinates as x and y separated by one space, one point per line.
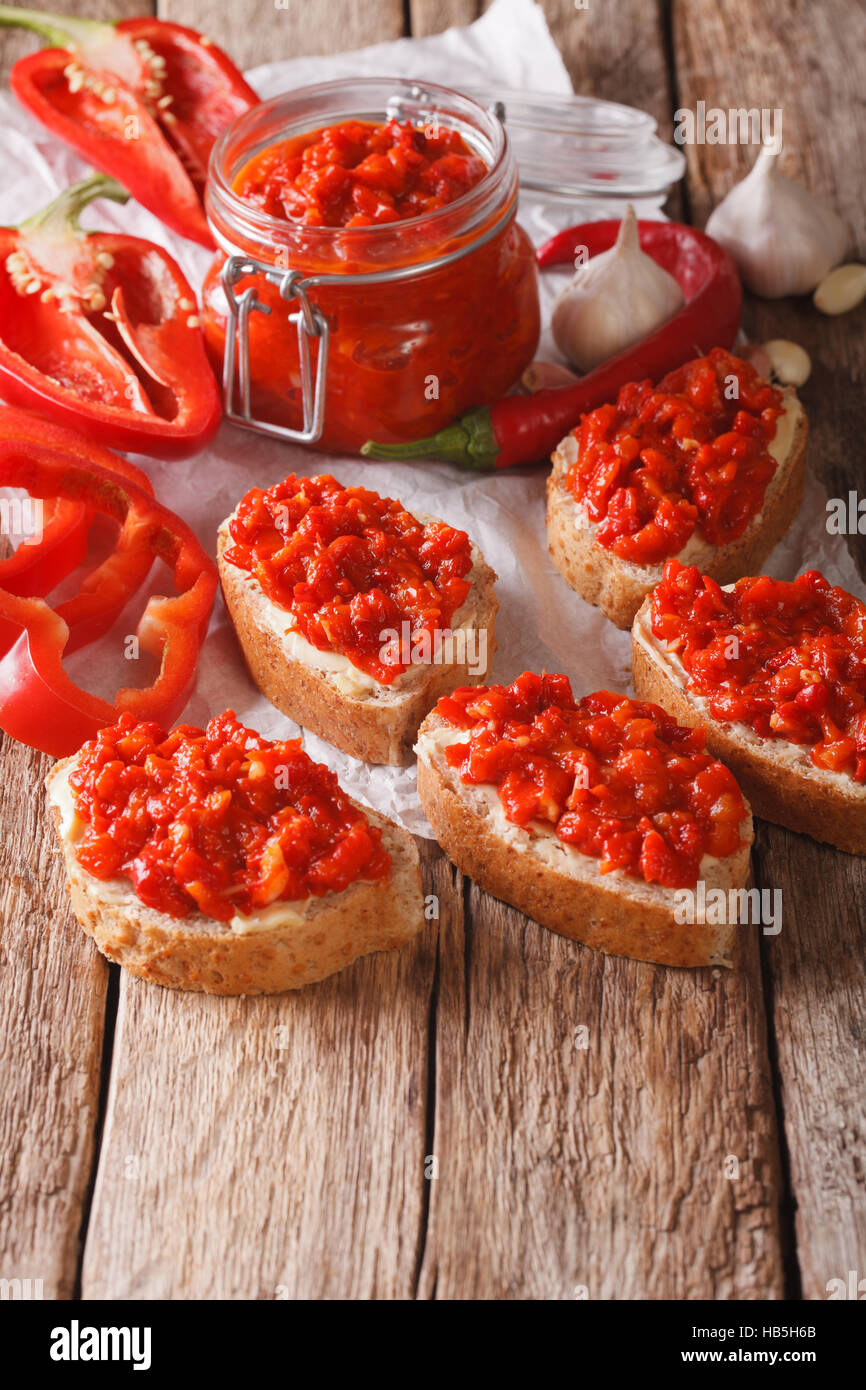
62 213
61 30
470 442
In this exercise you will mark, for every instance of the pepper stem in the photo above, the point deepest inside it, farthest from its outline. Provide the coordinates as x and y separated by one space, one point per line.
64 211
61 30
470 442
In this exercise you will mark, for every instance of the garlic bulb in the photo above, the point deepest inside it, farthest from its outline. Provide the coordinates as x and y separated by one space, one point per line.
614 300
782 238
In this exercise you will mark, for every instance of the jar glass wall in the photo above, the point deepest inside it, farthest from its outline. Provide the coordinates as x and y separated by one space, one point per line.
405 355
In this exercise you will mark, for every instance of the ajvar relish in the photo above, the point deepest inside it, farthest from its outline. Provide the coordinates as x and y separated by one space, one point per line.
688 454
615 778
342 205
787 658
349 565
217 820
358 174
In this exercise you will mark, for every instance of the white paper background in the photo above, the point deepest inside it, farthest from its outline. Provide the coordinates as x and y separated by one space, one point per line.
541 622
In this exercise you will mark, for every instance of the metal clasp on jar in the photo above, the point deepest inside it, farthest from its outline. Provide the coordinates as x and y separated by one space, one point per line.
310 323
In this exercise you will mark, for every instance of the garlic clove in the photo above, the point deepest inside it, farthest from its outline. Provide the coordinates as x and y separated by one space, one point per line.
615 300
843 289
783 239
790 364
755 355
540 376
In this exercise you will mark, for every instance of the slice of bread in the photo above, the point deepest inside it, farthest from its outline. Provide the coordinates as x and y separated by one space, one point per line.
558 886
618 587
317 938
324 693
780 780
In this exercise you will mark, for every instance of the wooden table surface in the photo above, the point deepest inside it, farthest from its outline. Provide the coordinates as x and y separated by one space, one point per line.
493 1112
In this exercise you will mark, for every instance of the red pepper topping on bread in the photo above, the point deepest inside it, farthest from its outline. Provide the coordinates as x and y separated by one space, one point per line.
350 566
617 779
218 820
788 658
688 454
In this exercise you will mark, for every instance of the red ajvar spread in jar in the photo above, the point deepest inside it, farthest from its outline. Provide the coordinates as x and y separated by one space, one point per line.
358 173
405 356
686 454
217 820
617 779
788 658
349 566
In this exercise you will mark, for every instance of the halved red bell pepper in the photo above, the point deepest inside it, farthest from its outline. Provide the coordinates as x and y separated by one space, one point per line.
39 704
141 99
101 331
40 563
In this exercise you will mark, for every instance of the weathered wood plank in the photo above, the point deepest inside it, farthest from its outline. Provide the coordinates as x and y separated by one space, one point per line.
432 16
53 995
262 31
52 1004
605 46
563 1168
810 61
816 975
587 1113
267 1148
14 43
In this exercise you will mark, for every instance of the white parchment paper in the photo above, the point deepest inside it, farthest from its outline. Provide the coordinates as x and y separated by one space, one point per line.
541 622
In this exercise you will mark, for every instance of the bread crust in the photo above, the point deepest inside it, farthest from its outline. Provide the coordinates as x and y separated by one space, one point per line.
611 918
777 791
618 588
198 953
371 730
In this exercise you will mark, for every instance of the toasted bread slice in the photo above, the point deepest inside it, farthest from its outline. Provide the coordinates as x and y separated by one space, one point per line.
619 587
324 693
558 886
313 939
781 782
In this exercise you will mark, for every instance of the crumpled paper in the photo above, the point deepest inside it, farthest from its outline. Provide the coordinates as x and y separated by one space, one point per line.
541 623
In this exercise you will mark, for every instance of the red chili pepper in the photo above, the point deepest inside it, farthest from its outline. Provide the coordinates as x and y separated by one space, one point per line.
142 99
526 429
100 330
39 704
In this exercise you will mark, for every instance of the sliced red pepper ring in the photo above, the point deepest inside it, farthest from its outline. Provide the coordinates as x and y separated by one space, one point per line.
39 704
143 100
26 425
39 564
100 330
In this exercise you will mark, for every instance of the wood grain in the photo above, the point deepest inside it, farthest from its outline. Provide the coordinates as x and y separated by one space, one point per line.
287 1147
612 48
432 16
561 1169
54 982
811 61
267 1148
263 31
816 977
52 1001
14 43
586 1109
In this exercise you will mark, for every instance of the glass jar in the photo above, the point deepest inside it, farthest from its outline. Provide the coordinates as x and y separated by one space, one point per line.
337 335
